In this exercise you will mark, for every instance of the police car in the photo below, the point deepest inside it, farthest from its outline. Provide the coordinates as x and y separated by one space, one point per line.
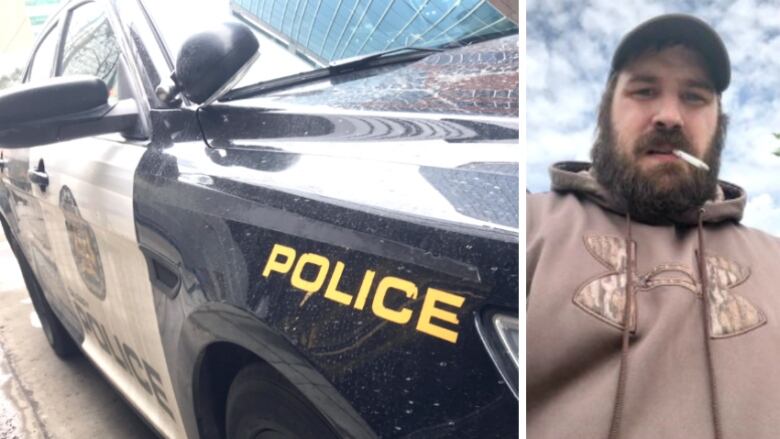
276 219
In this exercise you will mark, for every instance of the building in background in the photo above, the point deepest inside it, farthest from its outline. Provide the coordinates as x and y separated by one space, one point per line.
324 31
38 11
20 23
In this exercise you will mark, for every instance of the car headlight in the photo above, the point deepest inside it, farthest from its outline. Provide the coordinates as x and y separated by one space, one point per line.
500 333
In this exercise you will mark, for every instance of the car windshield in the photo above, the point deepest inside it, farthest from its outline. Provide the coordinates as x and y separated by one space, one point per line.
297 36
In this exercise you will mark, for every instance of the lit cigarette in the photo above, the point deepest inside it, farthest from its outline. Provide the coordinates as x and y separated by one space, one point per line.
693 161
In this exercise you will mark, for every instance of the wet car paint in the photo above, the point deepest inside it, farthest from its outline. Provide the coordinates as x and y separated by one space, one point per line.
211 211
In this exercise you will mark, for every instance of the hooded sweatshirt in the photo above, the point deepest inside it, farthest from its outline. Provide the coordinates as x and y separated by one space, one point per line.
639 330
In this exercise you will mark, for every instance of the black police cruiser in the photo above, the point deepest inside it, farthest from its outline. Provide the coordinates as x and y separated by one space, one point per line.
284 219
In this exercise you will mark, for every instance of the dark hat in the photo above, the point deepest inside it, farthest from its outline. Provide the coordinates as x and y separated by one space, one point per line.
684 29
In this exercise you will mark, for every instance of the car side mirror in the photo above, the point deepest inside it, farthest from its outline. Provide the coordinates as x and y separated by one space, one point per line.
60 109
211 62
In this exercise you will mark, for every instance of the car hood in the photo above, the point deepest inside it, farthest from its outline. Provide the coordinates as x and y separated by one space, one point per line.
412 142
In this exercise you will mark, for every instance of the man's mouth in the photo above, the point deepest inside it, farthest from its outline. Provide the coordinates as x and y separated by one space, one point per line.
660 150
663 153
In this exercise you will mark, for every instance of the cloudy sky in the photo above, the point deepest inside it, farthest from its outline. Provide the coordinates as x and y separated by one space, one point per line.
569 46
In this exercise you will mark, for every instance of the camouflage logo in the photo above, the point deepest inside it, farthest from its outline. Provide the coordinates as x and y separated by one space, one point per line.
83 245
604 297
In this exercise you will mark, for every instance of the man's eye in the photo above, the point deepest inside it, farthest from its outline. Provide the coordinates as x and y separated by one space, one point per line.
644 93
694 98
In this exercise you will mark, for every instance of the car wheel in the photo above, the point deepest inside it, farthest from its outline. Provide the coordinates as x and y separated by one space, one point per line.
58 337
262 405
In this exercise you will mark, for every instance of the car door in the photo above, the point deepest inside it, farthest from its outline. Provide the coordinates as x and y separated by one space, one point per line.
23 193
88 212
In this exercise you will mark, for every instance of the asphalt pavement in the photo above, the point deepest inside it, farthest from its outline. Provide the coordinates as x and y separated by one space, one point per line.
42 396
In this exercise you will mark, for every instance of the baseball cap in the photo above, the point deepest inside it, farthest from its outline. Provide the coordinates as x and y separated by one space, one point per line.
685 29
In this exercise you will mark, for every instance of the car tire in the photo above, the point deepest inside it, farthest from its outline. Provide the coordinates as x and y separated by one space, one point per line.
262 405
58 337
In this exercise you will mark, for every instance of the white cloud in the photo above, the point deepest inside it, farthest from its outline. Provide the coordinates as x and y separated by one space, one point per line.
537 60
605 18
762 212
553 146
561 146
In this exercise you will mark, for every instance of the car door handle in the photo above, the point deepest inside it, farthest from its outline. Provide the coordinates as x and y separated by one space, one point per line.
3 161
40 178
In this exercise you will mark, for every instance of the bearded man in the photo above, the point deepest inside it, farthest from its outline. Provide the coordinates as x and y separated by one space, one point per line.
651 310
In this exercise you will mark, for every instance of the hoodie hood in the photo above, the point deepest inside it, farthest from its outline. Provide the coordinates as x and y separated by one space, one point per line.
727 205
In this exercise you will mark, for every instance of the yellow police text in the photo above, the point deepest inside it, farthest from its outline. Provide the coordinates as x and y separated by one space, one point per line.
323 274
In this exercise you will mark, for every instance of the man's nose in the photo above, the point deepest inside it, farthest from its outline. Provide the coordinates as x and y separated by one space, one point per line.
668 115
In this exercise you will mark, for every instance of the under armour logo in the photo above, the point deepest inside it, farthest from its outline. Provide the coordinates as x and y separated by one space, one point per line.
604 297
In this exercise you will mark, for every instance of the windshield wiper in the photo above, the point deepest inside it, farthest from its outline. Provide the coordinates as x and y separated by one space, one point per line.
360 60
394 56
478 38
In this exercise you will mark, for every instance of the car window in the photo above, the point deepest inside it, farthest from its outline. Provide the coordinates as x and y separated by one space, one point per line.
44 55
91 47
150 54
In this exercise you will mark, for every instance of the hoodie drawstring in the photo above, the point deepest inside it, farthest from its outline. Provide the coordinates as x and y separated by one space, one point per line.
704 280
617 411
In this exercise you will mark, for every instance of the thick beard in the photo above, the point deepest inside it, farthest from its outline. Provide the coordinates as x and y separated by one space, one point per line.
664 192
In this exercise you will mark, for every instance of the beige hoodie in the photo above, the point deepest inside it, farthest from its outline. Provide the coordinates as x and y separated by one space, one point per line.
678 380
